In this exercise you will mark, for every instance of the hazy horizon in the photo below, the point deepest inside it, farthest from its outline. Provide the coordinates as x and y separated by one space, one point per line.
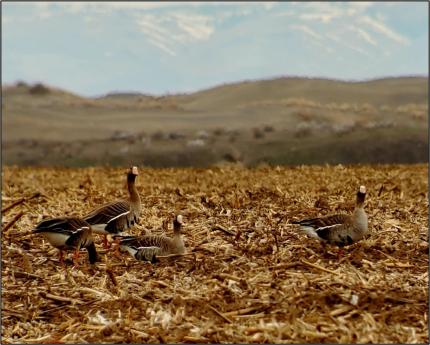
153 48
125 91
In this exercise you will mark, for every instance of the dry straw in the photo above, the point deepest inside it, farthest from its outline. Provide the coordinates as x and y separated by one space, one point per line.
249 276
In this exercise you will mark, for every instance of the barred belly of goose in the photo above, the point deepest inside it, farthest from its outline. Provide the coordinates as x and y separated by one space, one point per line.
339 229
68 233
147 248
117 216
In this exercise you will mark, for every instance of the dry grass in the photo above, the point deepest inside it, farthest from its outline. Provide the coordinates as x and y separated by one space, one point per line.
252 277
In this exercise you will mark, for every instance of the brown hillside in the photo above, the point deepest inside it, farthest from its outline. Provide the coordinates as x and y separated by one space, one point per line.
273 121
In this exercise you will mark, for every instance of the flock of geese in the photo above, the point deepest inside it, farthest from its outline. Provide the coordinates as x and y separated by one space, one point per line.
116 217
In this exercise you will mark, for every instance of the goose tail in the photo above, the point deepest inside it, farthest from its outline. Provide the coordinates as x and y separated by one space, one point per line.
310 231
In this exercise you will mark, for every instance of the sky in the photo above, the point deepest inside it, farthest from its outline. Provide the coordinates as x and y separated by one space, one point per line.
93 48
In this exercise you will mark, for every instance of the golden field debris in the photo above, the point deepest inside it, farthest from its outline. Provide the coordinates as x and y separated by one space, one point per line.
249 275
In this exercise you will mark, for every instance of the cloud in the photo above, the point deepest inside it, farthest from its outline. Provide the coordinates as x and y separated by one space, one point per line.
358 7
198 27
221 16
285 14
332 36
322 46
43 10
357 49
315 38
348 21
124 5
384 30
364 35
157 35
168 30
151 6
307 30
46 9
324 12
161 45
268 5
322 17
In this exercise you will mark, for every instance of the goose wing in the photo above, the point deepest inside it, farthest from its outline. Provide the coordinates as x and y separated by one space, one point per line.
52 225
79 238
62 225
142 253
148 254
143 241
112 217
161 242
338 234
329 228
326 221
63 232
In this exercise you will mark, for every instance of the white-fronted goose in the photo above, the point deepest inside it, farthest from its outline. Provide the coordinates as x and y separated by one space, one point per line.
117 216
147 247
68 233
339 229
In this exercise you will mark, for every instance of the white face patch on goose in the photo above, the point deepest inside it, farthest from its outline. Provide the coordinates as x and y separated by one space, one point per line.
362 189
179 219
134 171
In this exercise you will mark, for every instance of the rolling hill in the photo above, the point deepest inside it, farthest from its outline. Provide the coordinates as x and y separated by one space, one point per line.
279 121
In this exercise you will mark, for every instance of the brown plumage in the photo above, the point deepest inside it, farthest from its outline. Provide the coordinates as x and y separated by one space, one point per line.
68 233
147 247
339 229
117 216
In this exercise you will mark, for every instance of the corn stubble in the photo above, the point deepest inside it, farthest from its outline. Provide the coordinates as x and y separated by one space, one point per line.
249 276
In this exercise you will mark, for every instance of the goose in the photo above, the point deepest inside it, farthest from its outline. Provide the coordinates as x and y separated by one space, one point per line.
147 247
68 233
339 229
117 216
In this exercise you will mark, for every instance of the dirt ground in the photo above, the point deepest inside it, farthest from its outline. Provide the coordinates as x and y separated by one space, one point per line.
249 275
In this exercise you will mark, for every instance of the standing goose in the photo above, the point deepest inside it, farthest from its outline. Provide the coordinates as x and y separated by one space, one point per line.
68 233
339 229
147 247
117 216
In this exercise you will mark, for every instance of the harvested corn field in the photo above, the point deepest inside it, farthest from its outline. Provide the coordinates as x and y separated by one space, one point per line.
249 275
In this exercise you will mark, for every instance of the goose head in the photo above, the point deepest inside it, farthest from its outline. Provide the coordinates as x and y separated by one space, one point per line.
361 195
132 173
177 223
